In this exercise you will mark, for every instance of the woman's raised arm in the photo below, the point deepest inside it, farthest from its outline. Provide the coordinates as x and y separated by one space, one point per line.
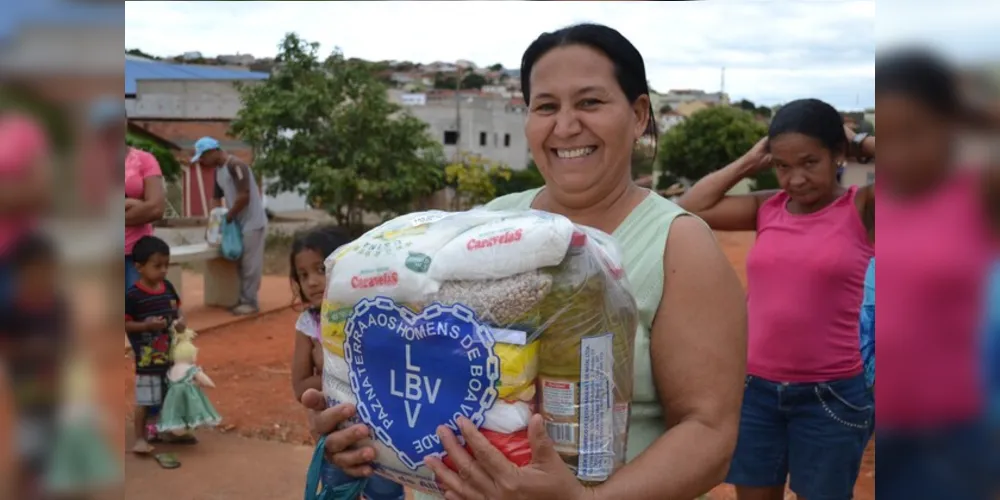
707 198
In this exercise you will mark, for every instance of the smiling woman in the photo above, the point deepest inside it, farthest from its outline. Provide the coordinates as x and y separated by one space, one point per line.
588 100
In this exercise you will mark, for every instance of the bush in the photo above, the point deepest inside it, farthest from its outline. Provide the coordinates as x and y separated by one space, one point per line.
169 165
520 180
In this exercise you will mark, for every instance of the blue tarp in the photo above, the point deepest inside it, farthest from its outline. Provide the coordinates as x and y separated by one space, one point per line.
155 70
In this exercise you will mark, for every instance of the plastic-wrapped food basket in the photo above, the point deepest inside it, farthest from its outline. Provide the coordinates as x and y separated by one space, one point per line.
492 316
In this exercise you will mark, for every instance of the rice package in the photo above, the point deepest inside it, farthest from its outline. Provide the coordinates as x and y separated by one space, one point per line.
492 316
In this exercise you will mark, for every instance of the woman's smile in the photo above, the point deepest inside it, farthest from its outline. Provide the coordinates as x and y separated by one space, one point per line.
572 157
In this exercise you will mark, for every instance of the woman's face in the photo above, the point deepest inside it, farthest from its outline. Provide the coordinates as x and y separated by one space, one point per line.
914 142
581 128
805 168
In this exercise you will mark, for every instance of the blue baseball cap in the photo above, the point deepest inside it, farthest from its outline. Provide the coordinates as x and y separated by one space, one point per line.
202 146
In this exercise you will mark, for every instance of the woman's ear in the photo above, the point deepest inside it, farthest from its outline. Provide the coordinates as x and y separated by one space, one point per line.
641 108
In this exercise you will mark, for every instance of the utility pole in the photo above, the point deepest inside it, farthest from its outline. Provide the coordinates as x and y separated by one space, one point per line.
458 116
722 84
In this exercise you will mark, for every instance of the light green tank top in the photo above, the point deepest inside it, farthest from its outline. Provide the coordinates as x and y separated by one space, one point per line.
643 238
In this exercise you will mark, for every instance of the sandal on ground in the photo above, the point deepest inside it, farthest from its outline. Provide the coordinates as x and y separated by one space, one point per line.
167 460
187 439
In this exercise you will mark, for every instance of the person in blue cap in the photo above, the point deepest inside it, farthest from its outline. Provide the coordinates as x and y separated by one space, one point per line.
235 183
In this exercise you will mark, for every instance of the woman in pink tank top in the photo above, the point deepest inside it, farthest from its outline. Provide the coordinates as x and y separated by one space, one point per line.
807 410
936 252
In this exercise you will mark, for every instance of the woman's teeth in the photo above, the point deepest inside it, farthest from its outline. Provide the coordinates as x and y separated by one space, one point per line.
567 154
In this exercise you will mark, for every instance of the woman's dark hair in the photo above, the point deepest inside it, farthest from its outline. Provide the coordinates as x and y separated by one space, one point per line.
812 118
323 240
630 70
920 75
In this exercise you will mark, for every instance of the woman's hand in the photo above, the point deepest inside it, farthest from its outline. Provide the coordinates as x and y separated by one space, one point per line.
131 203
758 158
341 445
488 475
850 133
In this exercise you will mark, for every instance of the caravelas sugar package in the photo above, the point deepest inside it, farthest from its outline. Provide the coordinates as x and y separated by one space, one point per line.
493 316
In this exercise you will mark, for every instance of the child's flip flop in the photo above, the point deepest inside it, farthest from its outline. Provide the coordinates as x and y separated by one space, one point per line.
187 439
167 460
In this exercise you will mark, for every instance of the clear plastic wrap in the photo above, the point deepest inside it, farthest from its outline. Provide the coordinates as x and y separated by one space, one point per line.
492 316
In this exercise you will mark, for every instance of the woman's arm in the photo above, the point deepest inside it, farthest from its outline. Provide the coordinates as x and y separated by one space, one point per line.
154 201
31 195
303 369
698 349
707 198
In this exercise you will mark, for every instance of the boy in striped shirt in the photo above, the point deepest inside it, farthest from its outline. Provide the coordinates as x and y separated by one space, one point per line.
152 307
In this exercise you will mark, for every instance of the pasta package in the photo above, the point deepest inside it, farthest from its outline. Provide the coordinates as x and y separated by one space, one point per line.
490 316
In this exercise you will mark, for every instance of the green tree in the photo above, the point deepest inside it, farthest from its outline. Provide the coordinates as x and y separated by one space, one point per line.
710 139
169 165
763 111
496 67
325 128
140 53
474 179
473 81
442 81
520 180
643 160
746 105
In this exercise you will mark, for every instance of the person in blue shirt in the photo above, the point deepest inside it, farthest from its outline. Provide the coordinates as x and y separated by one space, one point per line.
866 328
991 348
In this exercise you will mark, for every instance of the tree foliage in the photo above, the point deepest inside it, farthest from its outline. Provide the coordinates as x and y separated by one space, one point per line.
449 82
643 160
746 105
474 179
169 165
520 180
710 139
325 128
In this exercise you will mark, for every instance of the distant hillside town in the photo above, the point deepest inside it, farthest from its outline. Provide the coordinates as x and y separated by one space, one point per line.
470 108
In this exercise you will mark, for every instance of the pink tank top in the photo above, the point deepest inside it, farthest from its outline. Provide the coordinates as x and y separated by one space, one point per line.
934 254
805 280
23 144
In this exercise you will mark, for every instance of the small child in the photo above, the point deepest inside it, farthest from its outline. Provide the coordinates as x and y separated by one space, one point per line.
152 306
308 276
34 330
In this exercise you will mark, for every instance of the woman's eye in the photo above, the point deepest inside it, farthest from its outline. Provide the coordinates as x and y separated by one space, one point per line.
589 103
545 107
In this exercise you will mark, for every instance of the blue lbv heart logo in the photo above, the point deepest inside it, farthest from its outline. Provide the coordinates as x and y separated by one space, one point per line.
412 373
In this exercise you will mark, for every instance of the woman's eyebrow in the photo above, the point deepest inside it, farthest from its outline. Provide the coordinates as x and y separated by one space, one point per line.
585 90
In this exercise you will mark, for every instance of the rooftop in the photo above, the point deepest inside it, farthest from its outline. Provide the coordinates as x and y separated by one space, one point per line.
143 69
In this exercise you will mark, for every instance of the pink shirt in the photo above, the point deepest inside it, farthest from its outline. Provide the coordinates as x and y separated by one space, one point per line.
23 144
935 253
805 277
139 165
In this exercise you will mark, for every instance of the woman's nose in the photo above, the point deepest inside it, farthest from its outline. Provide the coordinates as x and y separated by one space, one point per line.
567 124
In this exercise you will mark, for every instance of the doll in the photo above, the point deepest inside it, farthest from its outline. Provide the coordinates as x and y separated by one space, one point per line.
185 407
81 461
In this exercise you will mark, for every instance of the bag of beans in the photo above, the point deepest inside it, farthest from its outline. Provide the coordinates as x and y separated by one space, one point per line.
492 316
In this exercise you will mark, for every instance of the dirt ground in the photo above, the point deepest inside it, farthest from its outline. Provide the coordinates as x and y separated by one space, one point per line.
250 362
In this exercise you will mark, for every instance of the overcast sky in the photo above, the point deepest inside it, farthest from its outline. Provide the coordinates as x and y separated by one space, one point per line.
773 50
